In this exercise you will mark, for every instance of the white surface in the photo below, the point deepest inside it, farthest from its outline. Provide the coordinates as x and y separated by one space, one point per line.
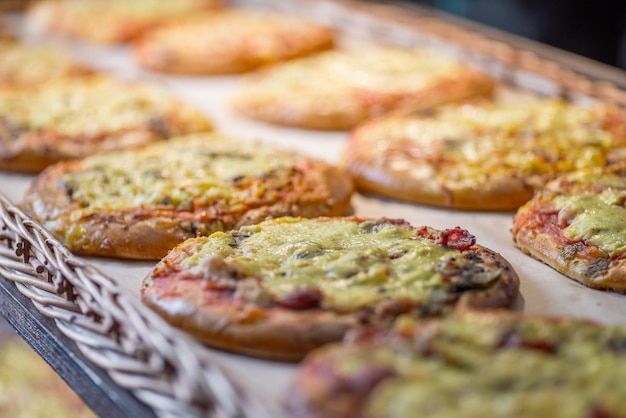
543 291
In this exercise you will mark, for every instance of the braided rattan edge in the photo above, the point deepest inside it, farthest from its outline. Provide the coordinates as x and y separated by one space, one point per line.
159 365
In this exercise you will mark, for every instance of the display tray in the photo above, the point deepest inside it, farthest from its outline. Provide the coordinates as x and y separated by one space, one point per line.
95 302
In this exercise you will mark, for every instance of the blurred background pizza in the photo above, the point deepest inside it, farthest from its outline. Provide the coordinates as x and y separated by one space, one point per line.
29 387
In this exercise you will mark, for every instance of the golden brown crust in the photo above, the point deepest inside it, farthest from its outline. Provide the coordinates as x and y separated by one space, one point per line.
229 42
221 318
312 94
538 230
150 231
439 158
108 21
29 145
496 193
271 333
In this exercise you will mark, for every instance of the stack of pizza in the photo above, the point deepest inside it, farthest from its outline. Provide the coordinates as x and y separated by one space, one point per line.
260 252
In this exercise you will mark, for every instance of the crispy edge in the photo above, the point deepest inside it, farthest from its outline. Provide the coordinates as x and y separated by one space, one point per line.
500 194
548 249
149 233
269 333
345 112
155 51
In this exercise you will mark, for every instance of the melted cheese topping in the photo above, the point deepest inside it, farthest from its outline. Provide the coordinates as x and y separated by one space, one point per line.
87 106
353 264
182 173
470 143
597 218
333 73
25 65
467 369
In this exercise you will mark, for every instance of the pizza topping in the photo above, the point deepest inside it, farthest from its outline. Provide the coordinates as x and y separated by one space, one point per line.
391 308
250 290
465 145
180 173
476 366
461 275
214 268
87 106
237 238
345 264
568 252
24 65
303 298
598 219
457 238
517 341
598 266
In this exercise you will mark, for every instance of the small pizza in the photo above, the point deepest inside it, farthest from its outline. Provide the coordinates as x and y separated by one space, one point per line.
75 117
482 155
496 364
229 42
338 89
140 203
577 225
283 287
30 66
108 21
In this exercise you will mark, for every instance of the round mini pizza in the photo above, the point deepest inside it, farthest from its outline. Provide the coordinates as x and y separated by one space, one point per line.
229 42
28 66
577 225
280 288
338 89
75 117
108 21
140 203
482 155
496 364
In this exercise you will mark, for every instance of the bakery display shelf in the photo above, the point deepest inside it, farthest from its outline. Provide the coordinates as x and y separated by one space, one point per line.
85 318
